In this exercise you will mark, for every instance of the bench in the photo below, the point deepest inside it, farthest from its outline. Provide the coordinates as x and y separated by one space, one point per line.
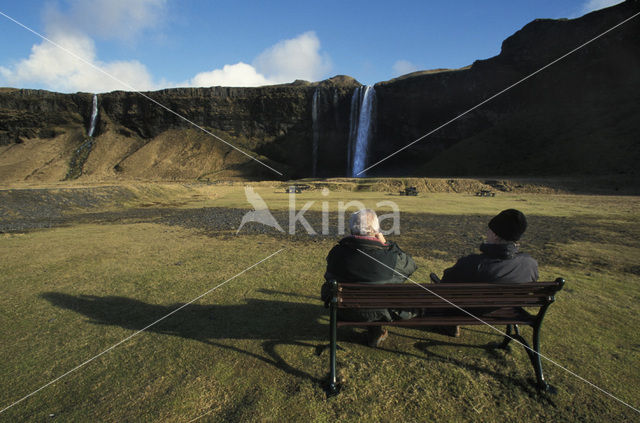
494 304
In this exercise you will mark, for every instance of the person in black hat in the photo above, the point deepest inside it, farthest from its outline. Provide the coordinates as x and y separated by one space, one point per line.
499 261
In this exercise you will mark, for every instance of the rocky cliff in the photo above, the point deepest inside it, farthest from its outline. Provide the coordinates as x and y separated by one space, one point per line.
580 115
136 137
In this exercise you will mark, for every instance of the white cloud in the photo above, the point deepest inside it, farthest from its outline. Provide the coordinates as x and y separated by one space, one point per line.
50 67
109 19
238 75
403 67
591 5
286 61
297 58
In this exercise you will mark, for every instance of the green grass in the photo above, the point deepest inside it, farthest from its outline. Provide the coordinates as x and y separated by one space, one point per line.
247 351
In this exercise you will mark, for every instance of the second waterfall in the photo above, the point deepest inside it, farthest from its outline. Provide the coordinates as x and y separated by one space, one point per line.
94 116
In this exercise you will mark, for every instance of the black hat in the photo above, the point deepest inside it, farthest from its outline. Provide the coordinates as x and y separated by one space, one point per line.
509 224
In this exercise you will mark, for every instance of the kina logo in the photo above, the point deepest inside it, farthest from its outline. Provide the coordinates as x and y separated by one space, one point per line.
260 212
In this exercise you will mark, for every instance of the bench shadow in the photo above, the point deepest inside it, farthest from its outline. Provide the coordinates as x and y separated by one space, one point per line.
526 383
276 323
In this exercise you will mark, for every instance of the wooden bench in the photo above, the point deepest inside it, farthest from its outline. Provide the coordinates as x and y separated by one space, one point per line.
494 304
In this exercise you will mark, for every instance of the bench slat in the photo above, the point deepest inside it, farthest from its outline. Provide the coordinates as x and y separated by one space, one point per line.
411 305
443 321
449 286
465 295
498 316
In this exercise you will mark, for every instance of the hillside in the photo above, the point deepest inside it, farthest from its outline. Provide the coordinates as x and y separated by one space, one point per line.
581 116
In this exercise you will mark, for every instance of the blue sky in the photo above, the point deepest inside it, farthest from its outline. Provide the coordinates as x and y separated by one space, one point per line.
153 44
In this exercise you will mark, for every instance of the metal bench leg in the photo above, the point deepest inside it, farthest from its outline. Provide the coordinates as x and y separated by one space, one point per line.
530 351
537 363
525 344
534 357
333 336
505 342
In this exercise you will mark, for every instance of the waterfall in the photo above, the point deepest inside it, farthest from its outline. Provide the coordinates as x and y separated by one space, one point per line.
315 130
353 128
94 115
363 131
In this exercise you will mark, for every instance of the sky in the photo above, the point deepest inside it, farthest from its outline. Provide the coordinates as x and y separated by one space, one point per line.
142 45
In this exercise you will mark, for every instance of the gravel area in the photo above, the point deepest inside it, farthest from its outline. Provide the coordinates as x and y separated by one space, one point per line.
27 209
429 235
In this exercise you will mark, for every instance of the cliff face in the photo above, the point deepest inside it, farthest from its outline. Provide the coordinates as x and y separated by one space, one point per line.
273 122
580 115
26 114
136 137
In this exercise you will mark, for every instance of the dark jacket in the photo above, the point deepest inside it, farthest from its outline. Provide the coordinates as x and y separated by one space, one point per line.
498 263
346 264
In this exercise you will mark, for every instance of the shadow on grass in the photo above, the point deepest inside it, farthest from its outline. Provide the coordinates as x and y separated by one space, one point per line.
526 383
289 294
275 322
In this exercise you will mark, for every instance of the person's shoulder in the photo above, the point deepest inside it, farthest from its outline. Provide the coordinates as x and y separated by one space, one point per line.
339 246
471 258
346 242
526 261
526 257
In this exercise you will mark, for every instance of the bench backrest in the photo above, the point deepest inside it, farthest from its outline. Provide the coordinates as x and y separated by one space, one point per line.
465 295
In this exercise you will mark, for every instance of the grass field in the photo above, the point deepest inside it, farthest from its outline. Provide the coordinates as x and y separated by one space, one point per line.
251 350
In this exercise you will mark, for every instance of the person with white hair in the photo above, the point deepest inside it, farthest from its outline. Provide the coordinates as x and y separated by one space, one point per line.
366 256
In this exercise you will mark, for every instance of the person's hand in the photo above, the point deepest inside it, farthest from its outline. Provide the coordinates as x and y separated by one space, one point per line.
380 237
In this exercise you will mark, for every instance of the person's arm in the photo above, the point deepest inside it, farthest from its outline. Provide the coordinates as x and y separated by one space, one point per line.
404 264
450 274
326 293
462 271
